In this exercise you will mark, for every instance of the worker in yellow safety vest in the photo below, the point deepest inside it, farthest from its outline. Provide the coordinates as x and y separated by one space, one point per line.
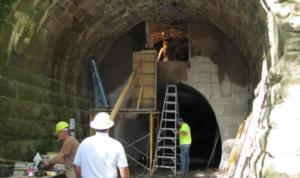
185 141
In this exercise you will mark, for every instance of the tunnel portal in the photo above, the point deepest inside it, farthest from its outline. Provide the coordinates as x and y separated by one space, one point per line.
198 114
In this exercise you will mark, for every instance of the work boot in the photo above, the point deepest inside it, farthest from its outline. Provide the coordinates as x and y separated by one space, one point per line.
180 173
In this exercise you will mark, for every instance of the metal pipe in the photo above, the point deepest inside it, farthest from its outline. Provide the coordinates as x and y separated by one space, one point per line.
130 145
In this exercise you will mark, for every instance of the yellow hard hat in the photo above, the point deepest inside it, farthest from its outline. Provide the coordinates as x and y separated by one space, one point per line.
61 125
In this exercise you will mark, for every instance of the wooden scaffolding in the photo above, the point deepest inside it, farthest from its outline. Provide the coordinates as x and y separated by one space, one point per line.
144 81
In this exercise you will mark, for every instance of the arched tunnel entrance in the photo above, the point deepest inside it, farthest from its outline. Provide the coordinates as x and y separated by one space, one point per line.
198 114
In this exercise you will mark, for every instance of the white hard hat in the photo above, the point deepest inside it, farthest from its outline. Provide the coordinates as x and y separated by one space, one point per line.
101 122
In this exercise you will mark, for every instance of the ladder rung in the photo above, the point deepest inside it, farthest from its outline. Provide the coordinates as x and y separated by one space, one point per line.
167 147
170 102
170 111
168 157
162 128
161 166
171 94
173 120
168 137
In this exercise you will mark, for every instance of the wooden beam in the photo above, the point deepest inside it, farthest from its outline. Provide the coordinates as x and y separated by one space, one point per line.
151 142
91 130
140 97
123 94
215 144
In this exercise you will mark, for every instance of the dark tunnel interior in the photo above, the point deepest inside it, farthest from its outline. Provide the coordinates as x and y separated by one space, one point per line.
198 114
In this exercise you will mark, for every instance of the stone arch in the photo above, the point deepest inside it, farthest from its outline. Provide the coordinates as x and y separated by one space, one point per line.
44 47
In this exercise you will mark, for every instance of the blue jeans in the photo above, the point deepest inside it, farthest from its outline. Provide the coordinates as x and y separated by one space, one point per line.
185 158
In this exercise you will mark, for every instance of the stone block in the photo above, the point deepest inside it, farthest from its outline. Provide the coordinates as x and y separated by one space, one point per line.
83 93
11 149
224 131
205 66
15 129
84 44
218 109
214 88
76 66
32 50
48 71
42 53
229 121
70 102
11 108
198 77
78 13
235 110
234 99
72 90
48 56
72 79
62 47
3 57
66 19
54 27
5 35
233 131
214 77
29 93
20 62
54 98
240 90
71 37
84 104
26 7
77 26
57 86
24 77
55 12
202 88
7 88
88 20
60 74
85 117
42 36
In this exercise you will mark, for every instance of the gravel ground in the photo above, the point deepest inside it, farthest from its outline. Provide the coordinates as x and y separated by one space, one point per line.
140 172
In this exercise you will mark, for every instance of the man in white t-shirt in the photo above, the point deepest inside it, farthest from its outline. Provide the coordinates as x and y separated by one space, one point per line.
100 156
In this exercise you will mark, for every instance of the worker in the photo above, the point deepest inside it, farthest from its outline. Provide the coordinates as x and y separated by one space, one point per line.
68 150
100 155
166 53
185 141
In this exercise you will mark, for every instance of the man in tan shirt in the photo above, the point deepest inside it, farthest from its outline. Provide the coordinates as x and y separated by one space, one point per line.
68 150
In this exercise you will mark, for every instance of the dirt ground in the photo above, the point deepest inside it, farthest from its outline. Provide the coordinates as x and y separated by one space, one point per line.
140 172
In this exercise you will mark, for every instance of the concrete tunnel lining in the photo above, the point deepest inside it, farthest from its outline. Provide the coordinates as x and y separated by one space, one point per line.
67 32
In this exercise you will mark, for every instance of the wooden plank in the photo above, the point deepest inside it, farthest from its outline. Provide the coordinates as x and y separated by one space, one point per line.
234 153
140 96
148 92
235 145
144 80
151 142
114 112
146 77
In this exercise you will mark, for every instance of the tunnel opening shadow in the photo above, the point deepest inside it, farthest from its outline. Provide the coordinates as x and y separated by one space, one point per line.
198 114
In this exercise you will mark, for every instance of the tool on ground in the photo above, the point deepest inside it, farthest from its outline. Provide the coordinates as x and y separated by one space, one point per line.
166 146
11 161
